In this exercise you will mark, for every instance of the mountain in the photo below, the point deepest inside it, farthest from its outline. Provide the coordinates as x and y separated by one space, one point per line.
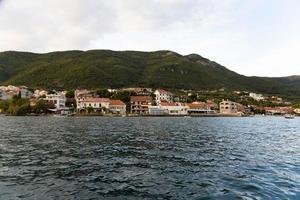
114 69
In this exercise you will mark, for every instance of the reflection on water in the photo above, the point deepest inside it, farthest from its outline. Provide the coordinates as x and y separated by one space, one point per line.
149 158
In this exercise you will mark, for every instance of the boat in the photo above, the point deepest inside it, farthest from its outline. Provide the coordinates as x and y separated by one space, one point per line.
289 116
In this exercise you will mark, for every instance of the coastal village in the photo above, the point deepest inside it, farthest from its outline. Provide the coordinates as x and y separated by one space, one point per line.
21 100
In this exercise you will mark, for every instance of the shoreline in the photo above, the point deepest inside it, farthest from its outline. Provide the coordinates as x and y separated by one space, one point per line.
144 116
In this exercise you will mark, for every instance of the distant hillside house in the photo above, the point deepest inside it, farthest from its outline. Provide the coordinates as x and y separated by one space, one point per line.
163 95
257 97
80 94
140 104
39 93
139 91
117 107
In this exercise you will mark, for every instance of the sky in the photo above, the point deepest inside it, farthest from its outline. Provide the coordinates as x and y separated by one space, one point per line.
251 37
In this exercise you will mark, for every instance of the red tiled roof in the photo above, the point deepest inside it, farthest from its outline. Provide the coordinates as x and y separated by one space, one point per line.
279 108
197 105
163 103
141 98
116 102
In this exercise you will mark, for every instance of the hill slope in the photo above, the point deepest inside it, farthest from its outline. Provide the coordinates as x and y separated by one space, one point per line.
105 68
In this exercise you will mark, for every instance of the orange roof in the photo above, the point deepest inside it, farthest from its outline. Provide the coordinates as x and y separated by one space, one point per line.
117 102
197 105
163 103
98 100
141 98
279 108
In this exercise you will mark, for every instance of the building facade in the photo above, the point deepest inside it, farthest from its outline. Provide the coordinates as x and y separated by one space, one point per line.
163 96
117 107
58 100
228 107
140 104
97 104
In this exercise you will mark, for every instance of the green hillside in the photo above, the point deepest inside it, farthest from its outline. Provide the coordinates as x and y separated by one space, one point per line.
114 69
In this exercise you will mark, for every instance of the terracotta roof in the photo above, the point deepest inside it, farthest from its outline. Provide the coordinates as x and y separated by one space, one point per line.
116 102
141 98
168 104
197 105
279 108
92 100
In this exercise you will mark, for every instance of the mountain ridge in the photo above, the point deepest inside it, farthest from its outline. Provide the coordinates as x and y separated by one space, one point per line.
107 68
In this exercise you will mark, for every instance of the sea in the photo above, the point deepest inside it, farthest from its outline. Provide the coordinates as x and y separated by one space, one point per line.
149 158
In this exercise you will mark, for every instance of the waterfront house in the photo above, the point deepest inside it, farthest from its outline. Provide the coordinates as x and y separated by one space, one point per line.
199 108
140 104
8 92
57 99
167 108
174 108
163 95
278 110
97 104
228 107
117 107
157 111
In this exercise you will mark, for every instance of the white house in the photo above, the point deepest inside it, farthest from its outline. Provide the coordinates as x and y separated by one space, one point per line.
257 97
166 108
39 93
57 99
25 93
8 92
92 102
163 96
199 108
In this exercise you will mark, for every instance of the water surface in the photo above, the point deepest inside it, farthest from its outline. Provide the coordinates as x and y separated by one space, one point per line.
149 158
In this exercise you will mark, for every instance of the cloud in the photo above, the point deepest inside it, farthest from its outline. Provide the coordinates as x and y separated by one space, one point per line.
252 37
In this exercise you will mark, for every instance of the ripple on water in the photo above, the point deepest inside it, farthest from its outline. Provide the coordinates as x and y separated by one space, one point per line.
149 158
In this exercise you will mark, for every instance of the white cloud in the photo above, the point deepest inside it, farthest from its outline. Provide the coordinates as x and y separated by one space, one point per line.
251 37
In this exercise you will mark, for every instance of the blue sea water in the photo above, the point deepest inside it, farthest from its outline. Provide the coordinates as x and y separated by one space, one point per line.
149 158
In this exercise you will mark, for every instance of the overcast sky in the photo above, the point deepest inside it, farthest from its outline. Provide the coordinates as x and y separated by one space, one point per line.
251 37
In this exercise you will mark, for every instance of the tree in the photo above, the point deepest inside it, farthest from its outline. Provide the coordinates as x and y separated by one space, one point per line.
40 107
90 109
4 105
103 93
123 96
70 94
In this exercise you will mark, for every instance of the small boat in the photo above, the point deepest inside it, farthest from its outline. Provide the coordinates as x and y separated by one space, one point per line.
289 116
